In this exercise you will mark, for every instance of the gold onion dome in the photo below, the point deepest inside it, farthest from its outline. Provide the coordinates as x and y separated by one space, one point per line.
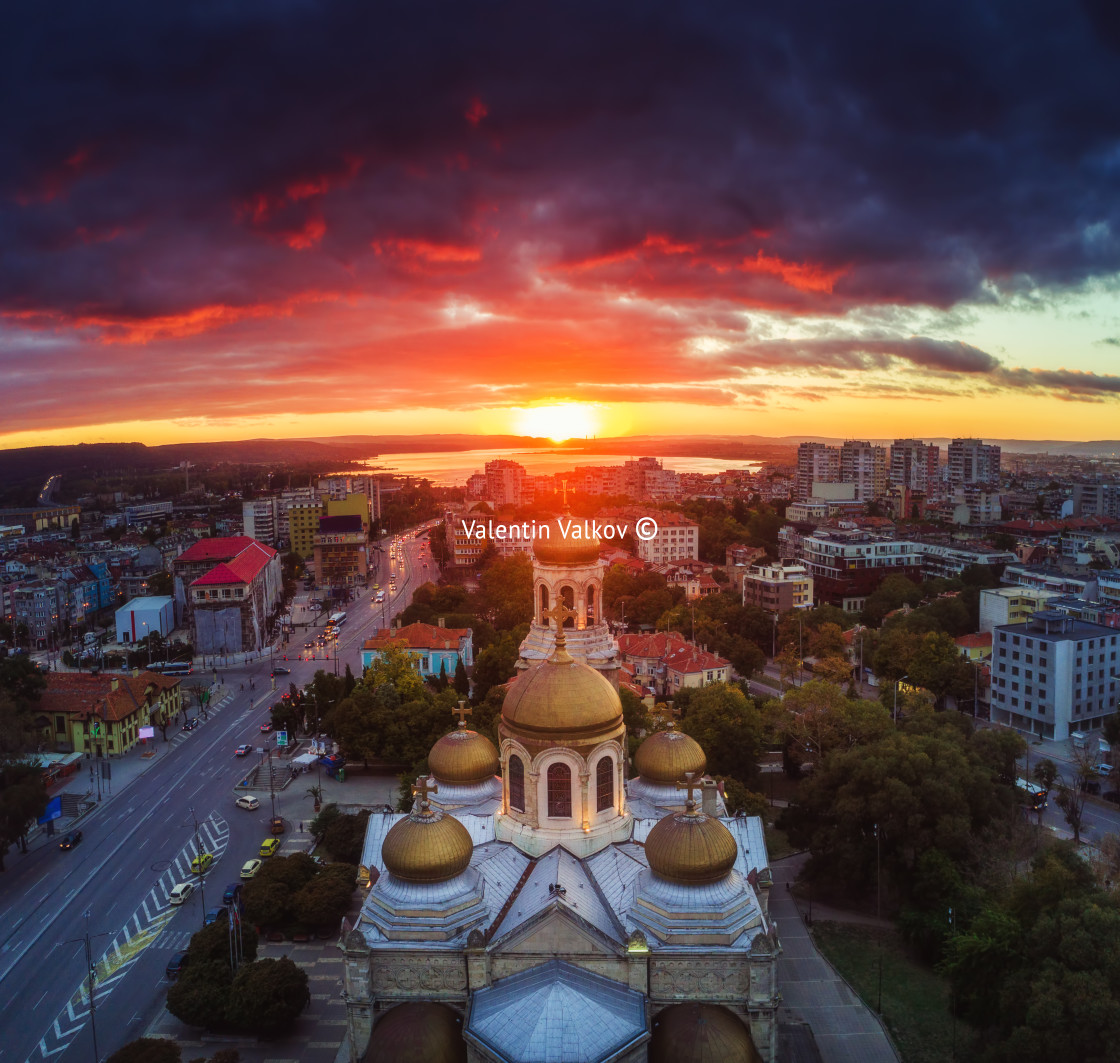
554 547
667 756
690 848
418 1031
561 696
698 1033
463 758
427 846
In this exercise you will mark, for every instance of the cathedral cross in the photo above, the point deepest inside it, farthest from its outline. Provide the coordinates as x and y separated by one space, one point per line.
421 788
691 782
463 711
560 612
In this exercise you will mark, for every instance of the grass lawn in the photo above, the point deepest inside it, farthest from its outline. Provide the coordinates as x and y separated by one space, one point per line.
915 998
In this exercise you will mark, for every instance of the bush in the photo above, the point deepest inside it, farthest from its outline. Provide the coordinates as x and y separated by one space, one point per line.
200 996
147 1050
268 996
323 820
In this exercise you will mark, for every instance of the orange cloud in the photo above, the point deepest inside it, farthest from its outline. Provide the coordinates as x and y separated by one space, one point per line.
803 276
414 254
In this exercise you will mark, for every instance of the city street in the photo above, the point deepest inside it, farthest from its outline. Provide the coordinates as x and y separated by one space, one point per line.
138 843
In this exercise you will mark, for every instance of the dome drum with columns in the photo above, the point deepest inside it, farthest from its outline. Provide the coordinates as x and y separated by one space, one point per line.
549 922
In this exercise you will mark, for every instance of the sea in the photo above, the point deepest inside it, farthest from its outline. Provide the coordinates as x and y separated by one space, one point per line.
451 468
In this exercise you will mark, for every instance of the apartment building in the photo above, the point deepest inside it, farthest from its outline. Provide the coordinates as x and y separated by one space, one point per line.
848 565
971 461
260 519
464 548
916 465
815 462
950 560
341 551
864 466
505 483
780 587
1097 500
676 539
1054 674
1000 606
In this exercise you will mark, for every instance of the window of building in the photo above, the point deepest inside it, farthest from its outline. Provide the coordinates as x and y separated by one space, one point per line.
604 784
559 791
515 772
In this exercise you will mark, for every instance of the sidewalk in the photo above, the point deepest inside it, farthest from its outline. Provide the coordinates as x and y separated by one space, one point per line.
844 1028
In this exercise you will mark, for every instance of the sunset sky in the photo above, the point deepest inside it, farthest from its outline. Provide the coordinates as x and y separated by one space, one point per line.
280 218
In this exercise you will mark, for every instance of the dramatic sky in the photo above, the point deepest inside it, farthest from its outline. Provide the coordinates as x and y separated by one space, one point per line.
230 219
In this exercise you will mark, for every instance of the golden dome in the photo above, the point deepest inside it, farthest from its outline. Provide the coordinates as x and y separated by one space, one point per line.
690 848
561 696
463 758
698 1033
427 846
560 549
419 1031
668 756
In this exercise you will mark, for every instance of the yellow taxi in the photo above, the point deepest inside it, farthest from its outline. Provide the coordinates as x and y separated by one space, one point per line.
269 846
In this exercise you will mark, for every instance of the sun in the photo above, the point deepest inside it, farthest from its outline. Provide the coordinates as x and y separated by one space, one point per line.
558 422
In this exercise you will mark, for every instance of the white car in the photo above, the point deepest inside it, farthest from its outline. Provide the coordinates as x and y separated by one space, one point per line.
1103 768
247 801
180 893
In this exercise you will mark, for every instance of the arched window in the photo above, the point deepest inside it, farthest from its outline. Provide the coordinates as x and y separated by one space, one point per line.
515 773
568 597
559 791
544 603
591 605
604 784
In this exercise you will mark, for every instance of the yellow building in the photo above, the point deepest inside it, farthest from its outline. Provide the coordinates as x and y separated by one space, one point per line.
102 714
303 523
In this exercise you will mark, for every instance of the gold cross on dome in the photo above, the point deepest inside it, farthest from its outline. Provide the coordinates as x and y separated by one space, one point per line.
691 782
421 788
463 711
560 612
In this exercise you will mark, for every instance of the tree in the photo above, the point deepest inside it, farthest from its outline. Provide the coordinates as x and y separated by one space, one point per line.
325 899
497 663
345 836
819 717
505 592
729 729
147 1050
1045 772
1071 800
200 996
893 593
23 798
397 667
938 666
461 683
211 943
266 903
268 996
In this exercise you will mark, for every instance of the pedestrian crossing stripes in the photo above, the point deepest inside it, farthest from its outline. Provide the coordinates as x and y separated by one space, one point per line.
144 928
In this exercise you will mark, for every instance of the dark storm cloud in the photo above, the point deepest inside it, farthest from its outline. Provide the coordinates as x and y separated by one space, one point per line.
162 158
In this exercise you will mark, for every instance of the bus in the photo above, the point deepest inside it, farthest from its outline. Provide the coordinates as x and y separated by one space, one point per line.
1031 794
336 619
171 667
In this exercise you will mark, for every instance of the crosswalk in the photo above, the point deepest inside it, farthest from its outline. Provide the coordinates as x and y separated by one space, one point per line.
182 736
144 929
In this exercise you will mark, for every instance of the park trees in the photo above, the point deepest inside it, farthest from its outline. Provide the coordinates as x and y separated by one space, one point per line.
818 717
505 592
728 727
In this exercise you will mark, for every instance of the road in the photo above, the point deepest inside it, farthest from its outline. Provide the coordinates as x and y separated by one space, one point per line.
137 844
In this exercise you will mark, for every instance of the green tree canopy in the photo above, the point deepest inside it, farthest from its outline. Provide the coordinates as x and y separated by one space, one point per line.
505 592
147 1050
268 996
728 727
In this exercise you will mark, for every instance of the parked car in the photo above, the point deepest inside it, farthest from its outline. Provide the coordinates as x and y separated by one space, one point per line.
175 966
251 867
190 725
70 840
269 846
243 751
214 914
201 862
232 893
1103 769
181 893
247 801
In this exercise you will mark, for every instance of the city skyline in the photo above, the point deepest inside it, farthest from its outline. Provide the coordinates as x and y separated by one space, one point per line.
874 223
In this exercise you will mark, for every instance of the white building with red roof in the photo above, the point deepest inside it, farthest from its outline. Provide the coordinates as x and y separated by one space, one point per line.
230 588
667 661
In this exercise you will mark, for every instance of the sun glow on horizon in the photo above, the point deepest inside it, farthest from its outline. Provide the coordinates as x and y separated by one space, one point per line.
557 421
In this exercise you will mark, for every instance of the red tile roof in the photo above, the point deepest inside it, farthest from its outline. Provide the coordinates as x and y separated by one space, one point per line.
418 637
80 692
689 659
978 640
243 568
221 549
650 646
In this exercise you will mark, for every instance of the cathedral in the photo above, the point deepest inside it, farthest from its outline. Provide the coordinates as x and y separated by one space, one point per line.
539 905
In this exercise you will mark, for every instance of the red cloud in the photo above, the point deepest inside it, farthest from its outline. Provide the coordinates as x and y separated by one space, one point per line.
476 111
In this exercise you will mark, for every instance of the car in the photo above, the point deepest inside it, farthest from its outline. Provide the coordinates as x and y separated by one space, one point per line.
175 966
1088 786
232 894
243 751
181 893
309 645
201 862
247 801
276 825
70 840
377 586
280 670
190 725
251 867
269 846
213 915
266 727
1103 769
